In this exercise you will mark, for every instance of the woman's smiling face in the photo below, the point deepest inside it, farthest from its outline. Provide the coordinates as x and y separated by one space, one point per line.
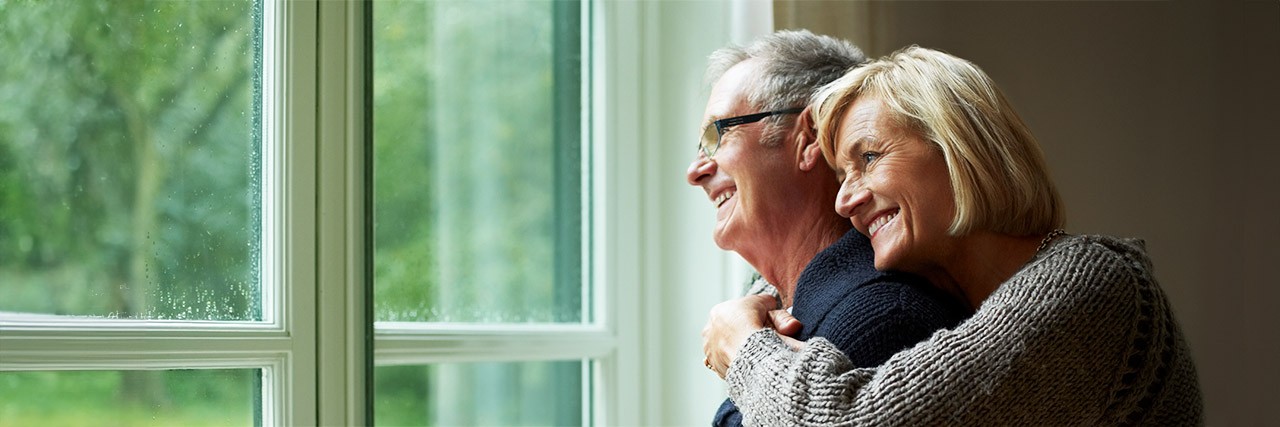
895 187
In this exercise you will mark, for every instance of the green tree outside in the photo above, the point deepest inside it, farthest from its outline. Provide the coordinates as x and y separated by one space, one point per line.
130 175
129 178
477 208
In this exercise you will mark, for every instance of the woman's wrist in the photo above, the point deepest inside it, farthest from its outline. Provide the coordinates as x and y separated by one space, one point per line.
758 346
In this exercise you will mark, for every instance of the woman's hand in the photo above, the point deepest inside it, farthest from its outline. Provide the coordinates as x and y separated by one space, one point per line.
731 322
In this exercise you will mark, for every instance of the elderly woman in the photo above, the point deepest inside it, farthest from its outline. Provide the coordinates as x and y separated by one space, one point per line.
948 183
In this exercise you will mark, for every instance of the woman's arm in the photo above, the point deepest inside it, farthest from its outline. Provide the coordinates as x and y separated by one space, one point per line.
766 362
730 323
1049 347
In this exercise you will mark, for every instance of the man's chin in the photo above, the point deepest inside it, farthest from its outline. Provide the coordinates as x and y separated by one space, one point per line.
719 237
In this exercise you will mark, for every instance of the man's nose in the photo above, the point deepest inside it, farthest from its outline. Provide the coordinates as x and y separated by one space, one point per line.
701 168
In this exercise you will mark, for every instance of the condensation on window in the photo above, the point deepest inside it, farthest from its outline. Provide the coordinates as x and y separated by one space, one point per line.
130 159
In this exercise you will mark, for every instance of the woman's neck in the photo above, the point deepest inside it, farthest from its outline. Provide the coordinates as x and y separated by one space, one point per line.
978 263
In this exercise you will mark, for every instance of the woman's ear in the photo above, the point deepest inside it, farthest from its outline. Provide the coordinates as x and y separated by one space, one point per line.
807 141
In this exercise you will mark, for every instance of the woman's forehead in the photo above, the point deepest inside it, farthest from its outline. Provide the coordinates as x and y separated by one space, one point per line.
862 121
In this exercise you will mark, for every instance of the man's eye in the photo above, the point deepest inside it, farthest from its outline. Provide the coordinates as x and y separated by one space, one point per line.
869 156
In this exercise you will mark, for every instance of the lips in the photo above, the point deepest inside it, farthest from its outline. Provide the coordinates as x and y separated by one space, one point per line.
880 221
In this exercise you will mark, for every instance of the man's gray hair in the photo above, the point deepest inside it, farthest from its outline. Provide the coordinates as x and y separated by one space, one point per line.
794 65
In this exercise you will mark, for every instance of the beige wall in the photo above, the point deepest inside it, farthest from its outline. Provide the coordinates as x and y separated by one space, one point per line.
1159 121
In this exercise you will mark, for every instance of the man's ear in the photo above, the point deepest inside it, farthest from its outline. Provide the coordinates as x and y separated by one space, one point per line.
807 142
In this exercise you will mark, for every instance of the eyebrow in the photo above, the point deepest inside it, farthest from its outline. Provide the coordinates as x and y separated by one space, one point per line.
710 120
851 146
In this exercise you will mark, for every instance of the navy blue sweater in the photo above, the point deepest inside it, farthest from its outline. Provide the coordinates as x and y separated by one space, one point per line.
868 314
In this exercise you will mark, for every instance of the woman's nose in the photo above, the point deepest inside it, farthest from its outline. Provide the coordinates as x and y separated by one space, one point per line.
701 168
850 197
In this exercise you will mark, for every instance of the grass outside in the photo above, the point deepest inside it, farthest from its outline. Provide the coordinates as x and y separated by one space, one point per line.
194 398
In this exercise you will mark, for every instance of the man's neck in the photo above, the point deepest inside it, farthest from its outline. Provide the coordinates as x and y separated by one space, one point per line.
793 254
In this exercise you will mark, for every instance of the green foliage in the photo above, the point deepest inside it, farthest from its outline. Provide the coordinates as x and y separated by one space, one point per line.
508 394
466 108
473 219
129 187
403 396
128 141
222 397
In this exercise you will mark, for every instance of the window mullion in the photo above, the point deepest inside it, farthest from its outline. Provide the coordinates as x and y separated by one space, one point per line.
290 105
134 344
342 324
443 344
140 353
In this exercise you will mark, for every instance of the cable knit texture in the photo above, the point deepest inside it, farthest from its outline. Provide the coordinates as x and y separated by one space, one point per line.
866 314
1082 335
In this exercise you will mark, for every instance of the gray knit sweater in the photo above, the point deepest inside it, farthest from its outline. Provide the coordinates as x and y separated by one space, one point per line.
1081 335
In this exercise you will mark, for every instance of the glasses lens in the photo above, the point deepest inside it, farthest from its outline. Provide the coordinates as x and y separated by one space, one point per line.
710 140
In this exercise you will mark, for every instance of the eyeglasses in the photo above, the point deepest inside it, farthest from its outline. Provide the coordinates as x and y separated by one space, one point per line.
710 141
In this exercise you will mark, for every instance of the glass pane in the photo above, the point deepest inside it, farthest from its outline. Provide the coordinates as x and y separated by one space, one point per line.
129 158
215 397
477 161
479 394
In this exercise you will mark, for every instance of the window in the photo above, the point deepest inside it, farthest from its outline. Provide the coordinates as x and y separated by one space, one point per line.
142 236
188 397
217 202
477 161
478 216
132 159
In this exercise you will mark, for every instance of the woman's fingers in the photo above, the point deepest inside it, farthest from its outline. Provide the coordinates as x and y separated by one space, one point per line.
731 322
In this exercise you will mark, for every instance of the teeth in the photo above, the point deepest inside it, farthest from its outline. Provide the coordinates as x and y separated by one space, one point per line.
723 198
880 222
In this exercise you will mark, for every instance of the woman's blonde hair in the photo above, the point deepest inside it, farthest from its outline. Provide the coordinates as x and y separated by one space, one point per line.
998 173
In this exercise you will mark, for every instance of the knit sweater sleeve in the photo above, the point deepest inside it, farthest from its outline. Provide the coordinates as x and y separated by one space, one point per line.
777 386
1055 344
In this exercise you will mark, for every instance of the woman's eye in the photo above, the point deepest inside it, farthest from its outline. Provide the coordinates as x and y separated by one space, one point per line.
869 156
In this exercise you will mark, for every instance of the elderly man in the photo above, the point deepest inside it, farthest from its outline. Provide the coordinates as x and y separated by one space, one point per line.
774 195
